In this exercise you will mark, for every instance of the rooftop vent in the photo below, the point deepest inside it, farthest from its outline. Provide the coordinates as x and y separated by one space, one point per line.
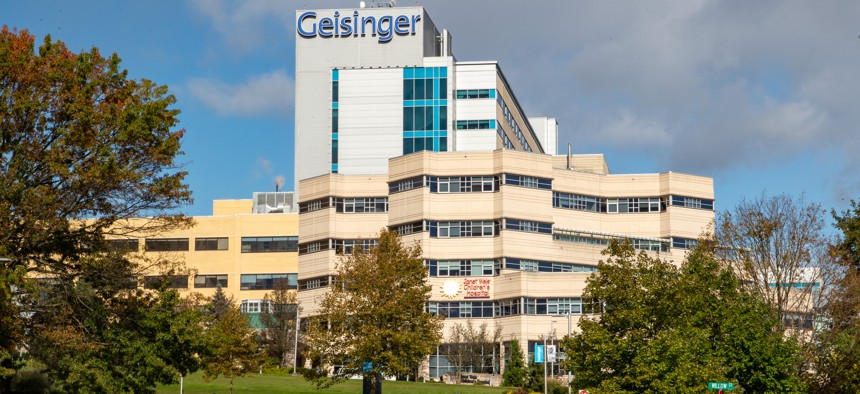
274 202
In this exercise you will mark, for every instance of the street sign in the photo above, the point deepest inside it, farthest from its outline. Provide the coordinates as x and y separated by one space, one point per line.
721 386
550 353
539 356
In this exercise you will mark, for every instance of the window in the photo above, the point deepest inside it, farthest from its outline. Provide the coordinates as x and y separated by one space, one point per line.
166 245
508 307
267 281
208 281
553 306
270 244
657 245
576 202
406 184
476 94
347 246
123 245
485 124
463 268
684 243
634 204
219 243
315 205
172 281
462 309
314 246
475 228
528 181
464 184
314 283
362 205
546 266
425 109
528 226
409 228
692 202
515 127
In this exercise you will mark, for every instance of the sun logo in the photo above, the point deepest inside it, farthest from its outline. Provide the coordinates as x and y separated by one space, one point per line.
451 288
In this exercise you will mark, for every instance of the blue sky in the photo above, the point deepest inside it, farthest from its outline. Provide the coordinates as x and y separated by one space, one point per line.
762 96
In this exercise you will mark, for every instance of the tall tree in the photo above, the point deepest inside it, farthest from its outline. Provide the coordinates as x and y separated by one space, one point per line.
834 355
232 350
671 330
279 317
515 369
373 321
83 148
777 245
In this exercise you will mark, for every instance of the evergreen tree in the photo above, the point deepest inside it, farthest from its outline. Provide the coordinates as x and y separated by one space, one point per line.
232 348
515 369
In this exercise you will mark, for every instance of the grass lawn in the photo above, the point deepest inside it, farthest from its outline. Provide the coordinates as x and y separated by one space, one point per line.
194 384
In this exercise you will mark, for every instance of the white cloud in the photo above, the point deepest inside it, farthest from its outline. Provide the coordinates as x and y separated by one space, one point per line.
243 23
267 93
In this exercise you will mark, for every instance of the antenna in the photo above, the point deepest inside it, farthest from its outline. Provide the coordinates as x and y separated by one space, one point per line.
378 4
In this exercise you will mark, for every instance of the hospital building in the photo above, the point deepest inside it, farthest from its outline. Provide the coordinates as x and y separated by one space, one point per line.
393 131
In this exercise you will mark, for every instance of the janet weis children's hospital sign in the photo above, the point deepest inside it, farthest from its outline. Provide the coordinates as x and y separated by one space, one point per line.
309 25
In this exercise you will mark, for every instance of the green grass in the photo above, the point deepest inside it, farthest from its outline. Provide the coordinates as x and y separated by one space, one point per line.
275 384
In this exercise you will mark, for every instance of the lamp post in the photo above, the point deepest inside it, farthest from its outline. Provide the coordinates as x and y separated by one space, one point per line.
568 315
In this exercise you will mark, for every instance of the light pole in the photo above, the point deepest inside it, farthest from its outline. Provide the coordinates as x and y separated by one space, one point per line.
568 315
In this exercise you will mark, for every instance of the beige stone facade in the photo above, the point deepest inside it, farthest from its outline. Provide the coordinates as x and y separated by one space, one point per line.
508 236
230 245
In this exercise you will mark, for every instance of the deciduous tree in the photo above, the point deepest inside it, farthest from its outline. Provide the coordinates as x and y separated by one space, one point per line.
373 321
83 148
469 345
232 350
671 330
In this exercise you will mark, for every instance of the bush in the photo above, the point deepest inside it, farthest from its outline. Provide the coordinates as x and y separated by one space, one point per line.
31 381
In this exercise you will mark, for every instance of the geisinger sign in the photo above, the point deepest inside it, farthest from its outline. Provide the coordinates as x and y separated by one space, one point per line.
384 27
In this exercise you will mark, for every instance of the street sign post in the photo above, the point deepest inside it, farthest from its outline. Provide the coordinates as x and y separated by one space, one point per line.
721 386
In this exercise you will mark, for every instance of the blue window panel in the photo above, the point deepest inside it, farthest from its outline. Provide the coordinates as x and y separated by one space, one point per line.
443 72
334 168
492 123
436 124
408 72
419 72
334 136
334 75
492 93
443 144
334 105
435 89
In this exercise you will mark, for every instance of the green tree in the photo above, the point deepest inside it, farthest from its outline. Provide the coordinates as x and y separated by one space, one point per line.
848 222
83 148
670 330
373 321
279 316
232 350
515 369
835 354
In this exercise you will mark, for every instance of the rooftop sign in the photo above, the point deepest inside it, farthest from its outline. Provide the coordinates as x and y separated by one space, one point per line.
384 27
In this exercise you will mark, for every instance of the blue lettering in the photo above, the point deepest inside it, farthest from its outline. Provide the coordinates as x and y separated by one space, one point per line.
415 19
384 32
383 27
303 32
401 25
326 27
372 20
345 27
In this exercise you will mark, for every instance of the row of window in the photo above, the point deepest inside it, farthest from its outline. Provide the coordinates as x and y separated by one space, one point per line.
425 109
654 245
335 127
340 246
464 184
248 281
626 205
509 116
249 244
475 93
528 226
446 268
347 205
481 124
512 307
